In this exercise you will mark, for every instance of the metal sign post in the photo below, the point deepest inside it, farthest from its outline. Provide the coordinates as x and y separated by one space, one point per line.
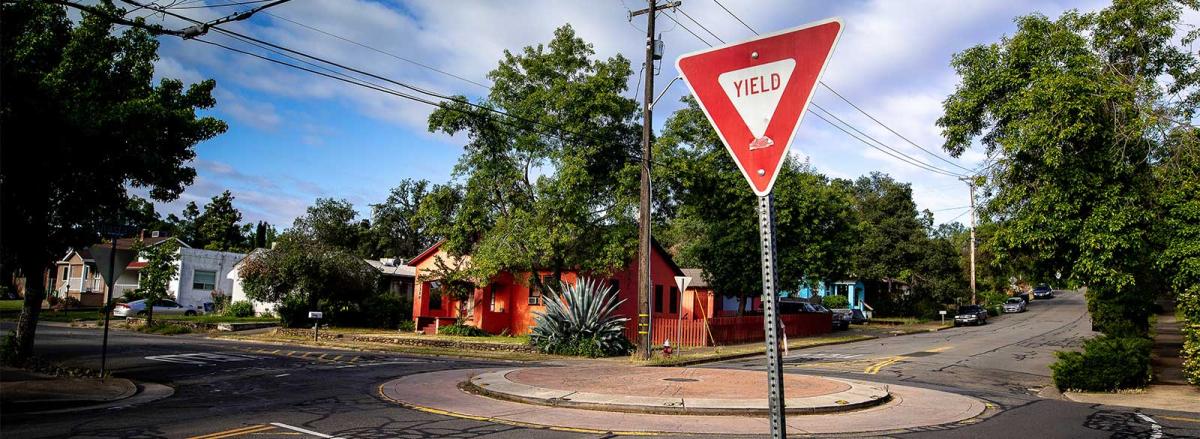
682 282
316 316
775 398
107 261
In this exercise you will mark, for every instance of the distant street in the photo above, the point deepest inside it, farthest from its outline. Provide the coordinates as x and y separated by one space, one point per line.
227 389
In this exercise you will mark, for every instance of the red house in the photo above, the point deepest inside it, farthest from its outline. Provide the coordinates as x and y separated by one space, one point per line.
506 304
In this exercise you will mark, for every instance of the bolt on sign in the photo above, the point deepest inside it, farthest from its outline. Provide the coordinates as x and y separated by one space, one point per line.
755 92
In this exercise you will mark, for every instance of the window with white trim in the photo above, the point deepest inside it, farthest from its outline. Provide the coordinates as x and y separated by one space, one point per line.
204 280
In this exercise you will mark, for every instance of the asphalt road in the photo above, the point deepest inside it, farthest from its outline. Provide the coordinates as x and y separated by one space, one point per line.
1004 362
227 389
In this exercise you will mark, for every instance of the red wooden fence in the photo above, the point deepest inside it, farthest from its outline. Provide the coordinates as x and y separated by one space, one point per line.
729 330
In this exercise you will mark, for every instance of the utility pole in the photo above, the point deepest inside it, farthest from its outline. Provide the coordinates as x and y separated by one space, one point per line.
971 184
644 210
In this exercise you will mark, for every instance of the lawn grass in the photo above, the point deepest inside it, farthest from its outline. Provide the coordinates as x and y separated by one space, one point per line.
164 329
215 318
67 316
11 305
418 350
499 339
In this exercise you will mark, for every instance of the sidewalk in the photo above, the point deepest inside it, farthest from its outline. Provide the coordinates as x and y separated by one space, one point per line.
23 391
1169 390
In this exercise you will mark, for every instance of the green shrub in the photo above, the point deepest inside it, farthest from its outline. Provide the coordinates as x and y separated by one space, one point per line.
835 302
581 319
240 308
1106 364
293 313
220 301
164 329
406 326
462 330
385 311
1188 304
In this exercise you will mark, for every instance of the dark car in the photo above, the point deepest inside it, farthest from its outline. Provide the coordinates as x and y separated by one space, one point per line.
970 315
1043 291
789 305
841 320
856 315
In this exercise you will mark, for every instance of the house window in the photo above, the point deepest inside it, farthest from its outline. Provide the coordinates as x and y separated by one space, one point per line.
66 272
674 300
492 303
658 298
535 294
435 295
204 280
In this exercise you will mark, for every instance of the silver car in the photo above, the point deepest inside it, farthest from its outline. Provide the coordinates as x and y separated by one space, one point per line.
162 307
1014 304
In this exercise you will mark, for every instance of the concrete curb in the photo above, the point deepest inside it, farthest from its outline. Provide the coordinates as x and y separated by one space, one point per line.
146 392
497 385
754 354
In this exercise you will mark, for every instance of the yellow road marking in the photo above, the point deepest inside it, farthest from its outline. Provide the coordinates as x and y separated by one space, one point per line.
1176 418
339 357
354 359
234 432
306 354
939 349
322 356
875 368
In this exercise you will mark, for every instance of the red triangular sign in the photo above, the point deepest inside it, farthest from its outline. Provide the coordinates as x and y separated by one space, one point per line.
755 92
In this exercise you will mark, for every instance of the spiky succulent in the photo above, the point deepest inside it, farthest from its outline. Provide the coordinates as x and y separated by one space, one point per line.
581 319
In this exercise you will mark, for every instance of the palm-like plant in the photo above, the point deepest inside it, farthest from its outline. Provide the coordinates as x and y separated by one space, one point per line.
581 319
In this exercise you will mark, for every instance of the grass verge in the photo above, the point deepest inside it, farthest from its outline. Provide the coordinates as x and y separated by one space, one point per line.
718 353
417 350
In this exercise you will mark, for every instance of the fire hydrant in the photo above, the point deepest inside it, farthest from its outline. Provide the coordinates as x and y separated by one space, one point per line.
667 348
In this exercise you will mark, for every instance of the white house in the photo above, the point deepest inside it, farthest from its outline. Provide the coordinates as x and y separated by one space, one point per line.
201 272
238 293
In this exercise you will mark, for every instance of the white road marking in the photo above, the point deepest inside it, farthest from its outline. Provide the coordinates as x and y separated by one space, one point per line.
282 375
289 427
827 356
1155 429
201 359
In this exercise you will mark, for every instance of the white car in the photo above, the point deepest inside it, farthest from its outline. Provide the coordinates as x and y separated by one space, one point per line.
162 307
1014 304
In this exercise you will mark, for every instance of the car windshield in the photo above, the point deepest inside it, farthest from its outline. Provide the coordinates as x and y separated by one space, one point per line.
969 309
1042 287
1015 300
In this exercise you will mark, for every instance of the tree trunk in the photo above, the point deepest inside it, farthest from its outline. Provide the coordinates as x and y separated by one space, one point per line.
35 293
150 312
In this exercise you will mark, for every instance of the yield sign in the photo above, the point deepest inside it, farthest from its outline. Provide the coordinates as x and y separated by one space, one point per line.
755 92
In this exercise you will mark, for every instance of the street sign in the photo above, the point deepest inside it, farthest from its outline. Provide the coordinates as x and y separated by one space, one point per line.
315 314
1057 275
756 91
111 265
682 282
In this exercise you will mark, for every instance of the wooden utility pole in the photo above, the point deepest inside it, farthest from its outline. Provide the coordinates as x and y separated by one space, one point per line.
971 184
644 280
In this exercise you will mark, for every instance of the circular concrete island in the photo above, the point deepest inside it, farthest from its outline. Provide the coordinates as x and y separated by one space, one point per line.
673 390
632 400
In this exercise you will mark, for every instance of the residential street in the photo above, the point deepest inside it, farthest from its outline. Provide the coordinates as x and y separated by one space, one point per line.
234 389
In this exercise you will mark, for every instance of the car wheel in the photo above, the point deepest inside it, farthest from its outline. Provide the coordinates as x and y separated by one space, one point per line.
189 313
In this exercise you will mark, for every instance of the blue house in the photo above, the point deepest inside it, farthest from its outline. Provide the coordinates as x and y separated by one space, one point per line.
854 290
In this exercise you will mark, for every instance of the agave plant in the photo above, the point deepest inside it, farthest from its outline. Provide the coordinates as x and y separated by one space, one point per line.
581 319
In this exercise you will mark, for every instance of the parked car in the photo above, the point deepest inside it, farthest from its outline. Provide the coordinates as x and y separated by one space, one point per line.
790 305
1043 291
856 315
162 307
970 315
1014 304
841 320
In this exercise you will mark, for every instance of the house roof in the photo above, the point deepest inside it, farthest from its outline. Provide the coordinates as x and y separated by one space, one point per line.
127 243
426 254
697 276
393 270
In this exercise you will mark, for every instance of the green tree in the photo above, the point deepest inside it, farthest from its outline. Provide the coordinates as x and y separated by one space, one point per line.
891 236
532 197
187 227
714 222
1075 110
217 228
154 278
396 229
81 121
332 222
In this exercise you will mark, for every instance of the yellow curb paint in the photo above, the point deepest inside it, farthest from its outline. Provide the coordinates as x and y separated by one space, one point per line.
234 432
1177 418
432 410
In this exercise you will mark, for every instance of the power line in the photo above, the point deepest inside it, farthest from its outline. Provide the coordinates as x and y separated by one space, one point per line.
689 17
735 17
898 157
911 160
222 5
957 217
950 208
694 34
852 104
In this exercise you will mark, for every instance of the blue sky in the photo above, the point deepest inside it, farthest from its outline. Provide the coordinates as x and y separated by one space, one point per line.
294 137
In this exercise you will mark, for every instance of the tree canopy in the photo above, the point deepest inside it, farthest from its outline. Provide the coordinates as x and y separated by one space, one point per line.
81 121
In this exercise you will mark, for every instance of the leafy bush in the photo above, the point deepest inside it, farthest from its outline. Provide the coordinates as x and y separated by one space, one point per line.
835 301
164 329
462 330
240 308
53 301
386 311
1188 304
66 303
293 313
1106 364
406 326
220 301
580 320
